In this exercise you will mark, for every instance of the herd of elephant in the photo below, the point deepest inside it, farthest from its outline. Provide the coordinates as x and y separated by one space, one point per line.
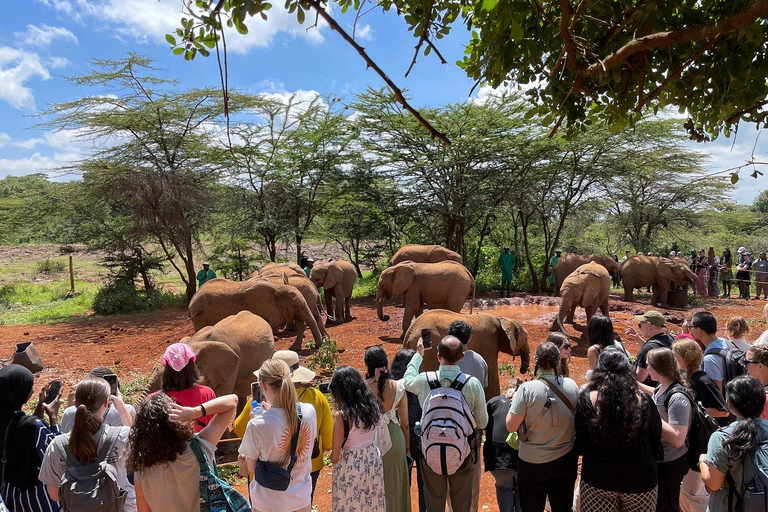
235 321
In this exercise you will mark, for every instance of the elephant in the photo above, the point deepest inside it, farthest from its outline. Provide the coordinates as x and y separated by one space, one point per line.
424 254
278 304
308 291
444 285
227 354
571 262
587 286
640 271
337 279
271 269
491 334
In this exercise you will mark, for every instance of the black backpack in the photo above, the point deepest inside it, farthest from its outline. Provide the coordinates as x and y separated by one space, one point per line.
702 426
734 362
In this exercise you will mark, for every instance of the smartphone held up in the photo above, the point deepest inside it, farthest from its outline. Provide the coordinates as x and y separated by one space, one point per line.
426 338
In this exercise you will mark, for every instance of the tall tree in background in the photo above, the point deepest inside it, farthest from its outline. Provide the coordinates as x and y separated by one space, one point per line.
156 157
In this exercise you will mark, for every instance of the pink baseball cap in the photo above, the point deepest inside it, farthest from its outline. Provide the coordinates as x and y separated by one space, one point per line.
178 355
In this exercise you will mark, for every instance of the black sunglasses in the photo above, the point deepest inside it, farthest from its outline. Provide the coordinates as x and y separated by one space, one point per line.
747 361
567 346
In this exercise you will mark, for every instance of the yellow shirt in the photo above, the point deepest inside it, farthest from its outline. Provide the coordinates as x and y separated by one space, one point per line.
313 397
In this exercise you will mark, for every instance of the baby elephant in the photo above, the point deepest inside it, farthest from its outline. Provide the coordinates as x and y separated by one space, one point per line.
588 287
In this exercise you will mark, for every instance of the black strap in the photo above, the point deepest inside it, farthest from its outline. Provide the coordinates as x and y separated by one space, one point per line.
433 380
345 421
5 450
560 395
459 382
444 459
295 439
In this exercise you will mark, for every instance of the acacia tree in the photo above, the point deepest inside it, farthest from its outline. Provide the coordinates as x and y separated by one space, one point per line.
453 191
156 155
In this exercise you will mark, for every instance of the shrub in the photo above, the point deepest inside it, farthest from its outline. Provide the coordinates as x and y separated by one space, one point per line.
6 291
50 267
119 297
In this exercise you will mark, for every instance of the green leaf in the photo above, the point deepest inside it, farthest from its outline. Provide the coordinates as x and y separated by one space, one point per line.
170 39
178 51
489 5
300 16
516 31
734 178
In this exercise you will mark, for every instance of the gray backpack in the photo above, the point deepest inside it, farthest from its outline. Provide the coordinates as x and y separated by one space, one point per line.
91 487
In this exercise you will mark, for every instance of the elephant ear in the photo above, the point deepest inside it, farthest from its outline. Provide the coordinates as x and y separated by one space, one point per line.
665 269
402 278
218 365
518 341
333 275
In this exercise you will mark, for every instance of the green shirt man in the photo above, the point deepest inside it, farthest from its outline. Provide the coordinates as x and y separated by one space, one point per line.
205 275
507 264
552 262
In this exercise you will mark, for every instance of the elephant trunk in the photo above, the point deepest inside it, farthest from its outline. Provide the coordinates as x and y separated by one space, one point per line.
153 384
525 354
379 306
309 319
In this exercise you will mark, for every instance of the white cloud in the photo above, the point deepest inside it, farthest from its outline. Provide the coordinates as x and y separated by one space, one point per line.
364 33
36 163
58 62
17 67
148 21
43 35
27 143
4 139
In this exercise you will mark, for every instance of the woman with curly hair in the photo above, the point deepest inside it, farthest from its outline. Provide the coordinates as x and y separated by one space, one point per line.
166 469
358 473
729 447
547 460
675 407
618 430
269 436
394 414
563 343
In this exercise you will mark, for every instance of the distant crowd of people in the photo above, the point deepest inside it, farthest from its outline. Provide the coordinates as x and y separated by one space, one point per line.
637 427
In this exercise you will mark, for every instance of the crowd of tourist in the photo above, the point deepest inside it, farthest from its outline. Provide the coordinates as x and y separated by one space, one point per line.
636 424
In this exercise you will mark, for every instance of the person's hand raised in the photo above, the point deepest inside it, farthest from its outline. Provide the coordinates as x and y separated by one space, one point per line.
183 414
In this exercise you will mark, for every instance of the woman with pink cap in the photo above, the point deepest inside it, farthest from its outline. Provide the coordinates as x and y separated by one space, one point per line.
180 381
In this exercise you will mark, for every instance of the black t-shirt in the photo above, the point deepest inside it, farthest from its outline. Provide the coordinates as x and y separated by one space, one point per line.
497 454
658 341
745 274
628 468
708 394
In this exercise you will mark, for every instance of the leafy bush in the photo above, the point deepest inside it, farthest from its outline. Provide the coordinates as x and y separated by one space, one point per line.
119 297
327 356
50 267
6 291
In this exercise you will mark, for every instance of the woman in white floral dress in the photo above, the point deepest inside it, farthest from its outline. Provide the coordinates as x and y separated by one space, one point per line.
358 473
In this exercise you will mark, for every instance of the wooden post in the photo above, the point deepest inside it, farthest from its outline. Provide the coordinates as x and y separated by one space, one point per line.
71 276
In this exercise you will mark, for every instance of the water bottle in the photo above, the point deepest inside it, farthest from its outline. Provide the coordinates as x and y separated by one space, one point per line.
417 428
256 409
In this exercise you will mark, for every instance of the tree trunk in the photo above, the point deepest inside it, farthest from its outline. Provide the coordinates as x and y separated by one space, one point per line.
298 248
534 277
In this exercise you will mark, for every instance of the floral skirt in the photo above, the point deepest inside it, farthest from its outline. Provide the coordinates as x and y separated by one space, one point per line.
358 481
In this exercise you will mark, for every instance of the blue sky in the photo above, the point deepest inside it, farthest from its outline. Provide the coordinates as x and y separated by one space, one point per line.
42 41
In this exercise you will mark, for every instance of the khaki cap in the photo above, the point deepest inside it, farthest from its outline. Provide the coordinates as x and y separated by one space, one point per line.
652 317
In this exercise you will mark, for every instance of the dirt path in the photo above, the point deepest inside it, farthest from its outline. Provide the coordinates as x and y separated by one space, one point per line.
131 344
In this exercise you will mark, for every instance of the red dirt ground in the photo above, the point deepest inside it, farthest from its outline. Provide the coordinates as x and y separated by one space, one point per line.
131 344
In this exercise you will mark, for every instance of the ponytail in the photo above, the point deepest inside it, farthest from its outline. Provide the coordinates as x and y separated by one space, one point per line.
90 395
276 374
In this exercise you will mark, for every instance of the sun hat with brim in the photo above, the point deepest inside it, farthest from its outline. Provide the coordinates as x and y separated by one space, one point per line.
178 355
652 317
299 374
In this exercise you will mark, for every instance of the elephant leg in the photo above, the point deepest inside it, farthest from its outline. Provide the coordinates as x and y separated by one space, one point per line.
591 310
629 292
300 325
571 314
339 294
412 302
661 292
604 308
328 302
348 308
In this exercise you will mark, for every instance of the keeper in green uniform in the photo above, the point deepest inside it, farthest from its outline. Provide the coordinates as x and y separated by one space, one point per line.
507 264
552 280
204 275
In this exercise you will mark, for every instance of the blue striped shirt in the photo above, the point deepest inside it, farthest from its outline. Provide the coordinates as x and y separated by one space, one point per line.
37 499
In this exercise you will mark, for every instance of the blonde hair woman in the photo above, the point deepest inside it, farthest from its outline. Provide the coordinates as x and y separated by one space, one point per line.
269 438
757 367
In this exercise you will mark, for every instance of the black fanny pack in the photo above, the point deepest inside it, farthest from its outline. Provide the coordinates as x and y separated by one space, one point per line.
274 476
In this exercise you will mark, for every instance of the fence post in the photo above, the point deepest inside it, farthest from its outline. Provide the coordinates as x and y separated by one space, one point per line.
71 276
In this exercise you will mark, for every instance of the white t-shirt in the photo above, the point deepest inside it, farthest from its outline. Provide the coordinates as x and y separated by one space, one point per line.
741 344
55 463
763 338
112 418
267 438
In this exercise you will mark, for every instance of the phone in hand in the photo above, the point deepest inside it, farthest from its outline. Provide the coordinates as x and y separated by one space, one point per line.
324 387
426 337
256 392
114 383
53 391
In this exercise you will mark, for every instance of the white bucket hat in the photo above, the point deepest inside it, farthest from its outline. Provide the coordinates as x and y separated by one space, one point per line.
299 374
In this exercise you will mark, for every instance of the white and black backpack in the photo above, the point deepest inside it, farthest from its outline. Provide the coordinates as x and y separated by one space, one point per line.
447 425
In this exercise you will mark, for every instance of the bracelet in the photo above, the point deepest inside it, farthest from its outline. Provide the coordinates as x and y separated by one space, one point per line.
202 410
